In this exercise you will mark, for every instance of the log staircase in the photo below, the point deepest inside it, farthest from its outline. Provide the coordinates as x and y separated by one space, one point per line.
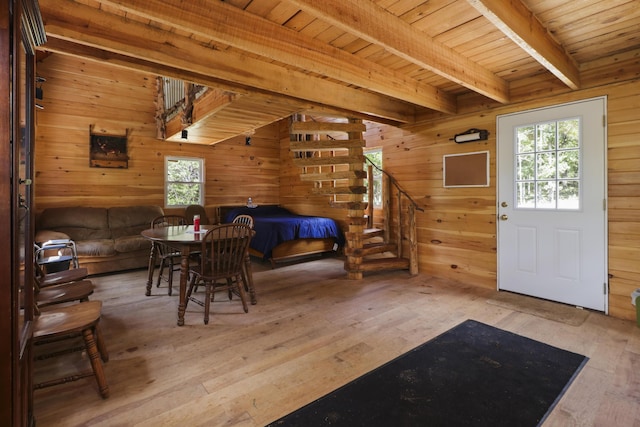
330 154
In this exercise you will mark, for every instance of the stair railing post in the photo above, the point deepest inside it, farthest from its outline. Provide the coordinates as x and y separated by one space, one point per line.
413 241
399 228
370 196
386 182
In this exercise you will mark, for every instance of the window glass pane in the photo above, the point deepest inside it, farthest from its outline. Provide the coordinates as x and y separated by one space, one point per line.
184 170
568 133
546 194
526 139
183 194
526 167
526 195
569 194
546 165
546 138
568 164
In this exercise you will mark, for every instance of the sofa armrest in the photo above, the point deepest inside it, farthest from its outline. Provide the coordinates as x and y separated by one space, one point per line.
46 235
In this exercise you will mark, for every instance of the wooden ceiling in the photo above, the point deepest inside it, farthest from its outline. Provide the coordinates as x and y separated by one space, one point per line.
391 61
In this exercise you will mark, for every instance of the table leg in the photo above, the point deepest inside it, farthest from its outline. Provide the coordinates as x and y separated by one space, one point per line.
248 273
152 265
184 274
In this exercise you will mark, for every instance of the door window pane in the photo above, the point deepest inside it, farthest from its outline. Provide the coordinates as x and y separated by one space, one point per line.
548 165
546 194
526 194
526 166
546 136
569 194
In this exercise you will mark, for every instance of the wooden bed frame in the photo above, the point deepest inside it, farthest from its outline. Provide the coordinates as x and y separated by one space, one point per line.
291 248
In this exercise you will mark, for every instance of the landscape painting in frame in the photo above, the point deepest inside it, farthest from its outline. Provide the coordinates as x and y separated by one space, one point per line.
108 151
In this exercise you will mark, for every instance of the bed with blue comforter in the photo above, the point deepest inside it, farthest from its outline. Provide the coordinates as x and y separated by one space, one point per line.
281 234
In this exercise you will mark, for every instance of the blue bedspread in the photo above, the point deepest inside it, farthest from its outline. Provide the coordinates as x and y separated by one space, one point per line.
274 225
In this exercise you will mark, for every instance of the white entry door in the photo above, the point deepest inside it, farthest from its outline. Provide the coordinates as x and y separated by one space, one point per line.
552 240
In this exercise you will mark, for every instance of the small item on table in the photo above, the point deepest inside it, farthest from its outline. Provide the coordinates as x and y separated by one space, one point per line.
196 223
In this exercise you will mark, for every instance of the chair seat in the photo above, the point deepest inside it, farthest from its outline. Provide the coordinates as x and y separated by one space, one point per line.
66 292
52 279
69 320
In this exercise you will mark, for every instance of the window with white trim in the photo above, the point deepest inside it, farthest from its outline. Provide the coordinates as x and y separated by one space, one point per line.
183 182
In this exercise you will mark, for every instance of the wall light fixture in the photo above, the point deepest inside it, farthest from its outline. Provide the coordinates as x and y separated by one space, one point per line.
471 135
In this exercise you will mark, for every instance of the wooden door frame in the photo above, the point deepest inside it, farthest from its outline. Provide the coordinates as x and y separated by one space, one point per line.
17 134
7 329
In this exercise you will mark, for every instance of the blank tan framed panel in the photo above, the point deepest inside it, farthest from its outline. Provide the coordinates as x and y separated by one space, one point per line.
466 170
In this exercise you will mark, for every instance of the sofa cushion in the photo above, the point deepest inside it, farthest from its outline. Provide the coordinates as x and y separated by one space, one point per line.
79 223
131 220
96 247
131 243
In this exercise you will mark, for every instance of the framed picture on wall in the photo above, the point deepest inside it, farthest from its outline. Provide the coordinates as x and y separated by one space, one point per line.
466 170
108 151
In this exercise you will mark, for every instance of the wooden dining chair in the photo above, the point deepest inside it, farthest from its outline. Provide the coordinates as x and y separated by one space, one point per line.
192 210
224 248
248 275
166 254
59 277
63 287
244 219
54 334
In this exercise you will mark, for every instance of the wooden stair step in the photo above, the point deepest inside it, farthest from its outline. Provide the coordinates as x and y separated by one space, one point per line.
322 127
380 264
371 249
332 176
369 233
349 205
329 161
326 144
339 190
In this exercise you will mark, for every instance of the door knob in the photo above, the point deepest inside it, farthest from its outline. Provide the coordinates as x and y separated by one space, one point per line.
504 217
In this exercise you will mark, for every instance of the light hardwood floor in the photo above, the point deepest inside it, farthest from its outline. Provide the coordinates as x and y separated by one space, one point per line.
311 332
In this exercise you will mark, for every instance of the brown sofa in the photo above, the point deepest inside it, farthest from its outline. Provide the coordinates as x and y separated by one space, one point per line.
107 239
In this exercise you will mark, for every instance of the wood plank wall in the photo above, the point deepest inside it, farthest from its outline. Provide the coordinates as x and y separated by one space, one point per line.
457 231
80 94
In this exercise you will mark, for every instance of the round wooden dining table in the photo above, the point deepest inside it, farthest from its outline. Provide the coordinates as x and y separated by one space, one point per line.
184 239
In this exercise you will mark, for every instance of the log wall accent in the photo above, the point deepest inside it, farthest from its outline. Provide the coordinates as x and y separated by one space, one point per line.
79 94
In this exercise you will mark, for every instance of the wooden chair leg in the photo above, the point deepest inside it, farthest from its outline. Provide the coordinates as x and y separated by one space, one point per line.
170 278
102 346
96 363
160 271
241 291
207 300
